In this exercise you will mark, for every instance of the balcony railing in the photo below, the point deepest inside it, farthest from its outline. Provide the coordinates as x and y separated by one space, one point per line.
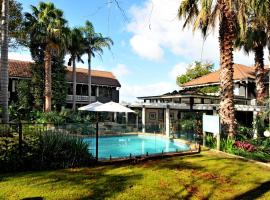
80 98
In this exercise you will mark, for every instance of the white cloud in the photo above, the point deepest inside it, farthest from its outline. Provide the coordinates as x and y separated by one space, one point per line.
130 93
120 70
146 47
156 28
177 70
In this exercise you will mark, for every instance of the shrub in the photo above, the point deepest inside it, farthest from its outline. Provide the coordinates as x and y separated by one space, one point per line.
245 146
46 150
58 150
244 132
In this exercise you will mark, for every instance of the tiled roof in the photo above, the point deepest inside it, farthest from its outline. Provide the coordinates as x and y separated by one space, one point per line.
241 72
22 69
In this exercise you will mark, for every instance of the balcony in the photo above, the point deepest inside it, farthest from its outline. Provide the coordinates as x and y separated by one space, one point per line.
80 98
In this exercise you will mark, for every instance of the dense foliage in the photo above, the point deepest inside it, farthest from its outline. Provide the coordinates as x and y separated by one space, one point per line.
243 145
45 150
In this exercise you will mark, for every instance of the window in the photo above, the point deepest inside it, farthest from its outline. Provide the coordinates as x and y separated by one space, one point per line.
197 100
207 101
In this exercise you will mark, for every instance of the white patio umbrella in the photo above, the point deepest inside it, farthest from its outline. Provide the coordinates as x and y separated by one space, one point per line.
90 106
108 107
111 107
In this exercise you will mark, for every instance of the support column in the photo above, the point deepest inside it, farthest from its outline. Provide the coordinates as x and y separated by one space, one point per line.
143 119
167 122
115 117
215 112
255 132
137 122
126 118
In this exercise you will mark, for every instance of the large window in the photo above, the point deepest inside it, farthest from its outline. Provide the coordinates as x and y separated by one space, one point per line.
105 92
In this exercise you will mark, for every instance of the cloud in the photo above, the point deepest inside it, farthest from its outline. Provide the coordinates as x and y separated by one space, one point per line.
155 28
146 47
130 93
120 70
177 70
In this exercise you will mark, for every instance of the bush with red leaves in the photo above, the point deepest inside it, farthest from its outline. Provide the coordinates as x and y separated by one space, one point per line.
245 146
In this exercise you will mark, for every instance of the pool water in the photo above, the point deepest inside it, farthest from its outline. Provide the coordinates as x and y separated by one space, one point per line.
123 146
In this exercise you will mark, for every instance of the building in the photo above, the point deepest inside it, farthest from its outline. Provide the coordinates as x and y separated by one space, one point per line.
166 110
105 86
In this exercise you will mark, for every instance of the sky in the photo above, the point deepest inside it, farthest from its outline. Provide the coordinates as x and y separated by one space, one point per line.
150 46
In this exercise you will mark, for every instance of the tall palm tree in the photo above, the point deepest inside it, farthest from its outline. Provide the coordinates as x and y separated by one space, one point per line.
255 39
46 25
204 14
75 48
4 61
94 44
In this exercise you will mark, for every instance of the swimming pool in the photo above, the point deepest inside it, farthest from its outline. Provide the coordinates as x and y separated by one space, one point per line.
136 145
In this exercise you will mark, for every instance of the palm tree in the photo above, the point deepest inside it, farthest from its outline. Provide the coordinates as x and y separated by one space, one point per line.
75 48
204 14
4 61
94 44
46 26
255 39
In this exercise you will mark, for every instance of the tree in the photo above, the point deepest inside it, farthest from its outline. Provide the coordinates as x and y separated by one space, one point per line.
255 39
4 60
46 26
15 22
94 44
195 70
59 83
75 48
204 15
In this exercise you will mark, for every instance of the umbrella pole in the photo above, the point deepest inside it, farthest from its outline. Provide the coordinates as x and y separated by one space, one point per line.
97 138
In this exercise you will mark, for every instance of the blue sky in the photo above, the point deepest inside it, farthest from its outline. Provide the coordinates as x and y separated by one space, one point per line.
150 48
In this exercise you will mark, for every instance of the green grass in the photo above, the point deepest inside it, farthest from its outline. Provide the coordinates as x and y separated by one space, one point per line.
201 176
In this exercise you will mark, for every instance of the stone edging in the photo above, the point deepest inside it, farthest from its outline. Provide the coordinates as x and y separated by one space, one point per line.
241 158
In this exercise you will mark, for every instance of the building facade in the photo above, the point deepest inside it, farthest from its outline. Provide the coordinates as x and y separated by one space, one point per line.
105 86
166 110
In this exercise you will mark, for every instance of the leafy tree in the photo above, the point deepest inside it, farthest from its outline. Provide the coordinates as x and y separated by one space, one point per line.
94 44
194 71
15 22
24 95
59 83
228 13
46 26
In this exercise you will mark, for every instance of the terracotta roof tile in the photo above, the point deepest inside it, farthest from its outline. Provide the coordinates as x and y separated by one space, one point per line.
241 72
22 69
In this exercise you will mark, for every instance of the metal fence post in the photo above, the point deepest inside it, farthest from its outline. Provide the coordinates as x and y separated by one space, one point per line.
97 141
20 138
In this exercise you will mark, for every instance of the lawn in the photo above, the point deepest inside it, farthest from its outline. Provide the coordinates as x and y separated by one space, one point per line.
201 176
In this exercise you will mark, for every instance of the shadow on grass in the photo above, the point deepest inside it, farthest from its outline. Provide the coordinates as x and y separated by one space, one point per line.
255 193
95 183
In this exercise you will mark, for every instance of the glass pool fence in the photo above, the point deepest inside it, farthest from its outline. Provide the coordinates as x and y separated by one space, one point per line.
115 141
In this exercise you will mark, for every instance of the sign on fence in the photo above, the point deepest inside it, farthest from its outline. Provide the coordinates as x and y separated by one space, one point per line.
211 124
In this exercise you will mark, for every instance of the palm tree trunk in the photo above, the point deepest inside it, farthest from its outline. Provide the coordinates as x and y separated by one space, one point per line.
259 71
4 61
74 80
89 79
48 79
226 36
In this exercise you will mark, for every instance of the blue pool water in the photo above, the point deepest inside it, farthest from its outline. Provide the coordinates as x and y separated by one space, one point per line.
123 146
